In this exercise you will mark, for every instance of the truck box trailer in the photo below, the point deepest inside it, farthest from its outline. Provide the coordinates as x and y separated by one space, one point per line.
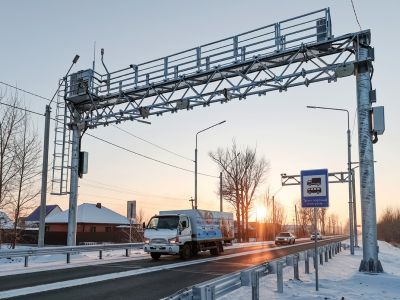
186 232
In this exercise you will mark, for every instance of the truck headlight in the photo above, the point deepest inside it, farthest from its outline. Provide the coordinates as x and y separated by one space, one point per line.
173 240
146 241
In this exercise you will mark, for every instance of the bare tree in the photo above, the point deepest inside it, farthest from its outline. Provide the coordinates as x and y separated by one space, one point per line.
140 216
27 163
242 174
10 118
322 219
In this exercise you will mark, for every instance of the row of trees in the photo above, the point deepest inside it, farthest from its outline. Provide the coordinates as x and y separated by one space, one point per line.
327 223
389 226
20 154
242 174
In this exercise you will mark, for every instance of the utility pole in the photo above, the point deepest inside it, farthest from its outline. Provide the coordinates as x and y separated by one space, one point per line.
353 183
43 193
370 261
295 214
220 192
192 200
273 215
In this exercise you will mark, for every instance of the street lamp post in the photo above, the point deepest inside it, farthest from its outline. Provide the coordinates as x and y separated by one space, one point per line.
195 162
348 170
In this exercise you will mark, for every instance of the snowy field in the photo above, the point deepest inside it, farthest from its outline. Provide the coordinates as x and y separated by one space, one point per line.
338 279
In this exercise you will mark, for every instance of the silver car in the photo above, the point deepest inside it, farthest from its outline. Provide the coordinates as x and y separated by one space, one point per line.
319 236
285 238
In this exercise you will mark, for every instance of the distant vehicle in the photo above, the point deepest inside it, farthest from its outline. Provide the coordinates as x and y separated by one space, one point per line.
314 181
319 236
187 232
314 190
285 238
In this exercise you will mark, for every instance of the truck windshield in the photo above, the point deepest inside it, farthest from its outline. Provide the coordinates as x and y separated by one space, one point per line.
163 222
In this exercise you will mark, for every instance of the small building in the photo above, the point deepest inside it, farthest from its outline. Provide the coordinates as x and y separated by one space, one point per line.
95 223
5 221
34 218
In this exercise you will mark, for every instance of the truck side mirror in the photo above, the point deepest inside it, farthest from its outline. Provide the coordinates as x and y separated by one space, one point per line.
144 225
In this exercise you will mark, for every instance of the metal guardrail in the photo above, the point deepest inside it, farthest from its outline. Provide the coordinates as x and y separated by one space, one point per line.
220 286
67 250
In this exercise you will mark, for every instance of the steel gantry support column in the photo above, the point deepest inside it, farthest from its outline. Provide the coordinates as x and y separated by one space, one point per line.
370 262
73 197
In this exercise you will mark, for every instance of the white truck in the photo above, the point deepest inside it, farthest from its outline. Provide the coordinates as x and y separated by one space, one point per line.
186 232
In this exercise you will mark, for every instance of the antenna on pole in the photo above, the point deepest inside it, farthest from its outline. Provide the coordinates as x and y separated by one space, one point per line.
94 56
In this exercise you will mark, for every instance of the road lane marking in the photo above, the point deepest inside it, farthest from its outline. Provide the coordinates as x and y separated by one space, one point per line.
99 278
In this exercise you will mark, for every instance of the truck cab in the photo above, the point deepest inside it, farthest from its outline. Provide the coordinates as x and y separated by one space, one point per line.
167 234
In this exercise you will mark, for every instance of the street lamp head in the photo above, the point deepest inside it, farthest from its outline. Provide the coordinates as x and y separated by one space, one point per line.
310 106
75 59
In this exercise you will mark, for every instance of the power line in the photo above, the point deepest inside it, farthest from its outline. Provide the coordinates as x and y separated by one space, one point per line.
151 143
117 189
355 14
25 91
120 147
148 157
23 109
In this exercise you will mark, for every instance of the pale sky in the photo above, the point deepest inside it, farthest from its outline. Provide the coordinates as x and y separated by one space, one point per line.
40 38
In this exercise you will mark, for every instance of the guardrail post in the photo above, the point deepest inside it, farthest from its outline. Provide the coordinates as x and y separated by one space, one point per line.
255 285
306 263
321 258
126 253
326 254
330 252
296 267
203 293
245 278
100 254
26 261
279 276
314 259
68 258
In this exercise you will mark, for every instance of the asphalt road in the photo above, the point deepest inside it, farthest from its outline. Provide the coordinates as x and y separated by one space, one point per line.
153 285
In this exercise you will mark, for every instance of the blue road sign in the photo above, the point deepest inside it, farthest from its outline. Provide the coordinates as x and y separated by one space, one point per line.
314 188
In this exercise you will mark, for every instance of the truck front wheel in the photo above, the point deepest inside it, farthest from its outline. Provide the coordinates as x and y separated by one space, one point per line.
185 252
155 256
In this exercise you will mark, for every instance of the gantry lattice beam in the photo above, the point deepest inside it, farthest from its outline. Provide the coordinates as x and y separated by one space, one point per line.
333 177
295 52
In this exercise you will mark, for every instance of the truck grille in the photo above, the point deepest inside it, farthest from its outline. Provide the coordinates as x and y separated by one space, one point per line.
158 241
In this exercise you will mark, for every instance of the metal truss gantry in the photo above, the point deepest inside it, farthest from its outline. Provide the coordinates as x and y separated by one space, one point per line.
333 177
295 52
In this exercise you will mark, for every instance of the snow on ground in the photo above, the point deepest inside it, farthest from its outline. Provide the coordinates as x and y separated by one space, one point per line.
338 279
